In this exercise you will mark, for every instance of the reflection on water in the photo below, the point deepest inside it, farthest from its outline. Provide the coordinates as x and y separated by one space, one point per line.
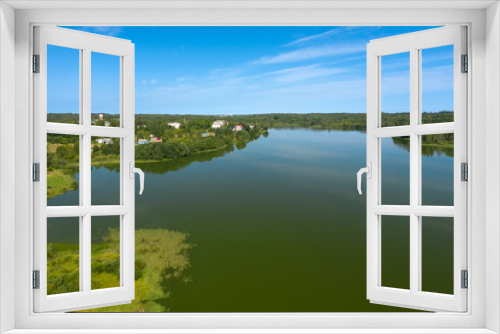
177 164
275 227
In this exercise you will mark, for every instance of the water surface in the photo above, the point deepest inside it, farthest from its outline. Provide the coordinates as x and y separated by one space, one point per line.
278 226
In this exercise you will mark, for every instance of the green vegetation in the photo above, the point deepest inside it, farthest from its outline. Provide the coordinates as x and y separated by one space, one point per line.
58 182
157 123
160 256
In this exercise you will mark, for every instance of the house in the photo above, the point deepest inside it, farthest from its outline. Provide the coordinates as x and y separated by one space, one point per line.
175 125
219 124
238 128
142 141
101 117
208 134
156 139
105 141
252 126
107 123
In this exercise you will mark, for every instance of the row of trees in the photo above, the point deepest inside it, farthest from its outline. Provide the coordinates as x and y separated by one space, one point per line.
158 123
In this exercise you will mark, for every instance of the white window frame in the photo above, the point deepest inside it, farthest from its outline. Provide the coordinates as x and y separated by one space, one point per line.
484 234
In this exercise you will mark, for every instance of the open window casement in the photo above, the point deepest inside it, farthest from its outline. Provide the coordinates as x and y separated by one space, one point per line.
84 296
414 295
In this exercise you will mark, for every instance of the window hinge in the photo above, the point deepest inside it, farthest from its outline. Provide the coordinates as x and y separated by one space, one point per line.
465 279
465 64
36 172
36 63
464 171
36 279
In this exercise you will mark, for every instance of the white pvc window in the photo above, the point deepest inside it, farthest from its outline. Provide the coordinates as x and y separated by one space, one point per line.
413 211
84 214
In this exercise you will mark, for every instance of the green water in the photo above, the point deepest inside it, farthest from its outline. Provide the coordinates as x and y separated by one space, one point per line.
279 226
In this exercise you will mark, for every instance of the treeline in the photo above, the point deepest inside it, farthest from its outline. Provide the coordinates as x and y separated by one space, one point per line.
431 144
71 118
178 148
158 123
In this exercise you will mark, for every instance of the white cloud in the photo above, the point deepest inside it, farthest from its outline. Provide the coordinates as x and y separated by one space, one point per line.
334 32
294 74
185 78
104 30
153 81
313 37
312 53
143 81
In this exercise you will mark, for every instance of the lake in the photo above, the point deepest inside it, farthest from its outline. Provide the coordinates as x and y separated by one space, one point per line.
278 226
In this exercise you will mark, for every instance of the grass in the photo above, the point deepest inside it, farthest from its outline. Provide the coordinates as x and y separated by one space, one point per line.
161 256
58 182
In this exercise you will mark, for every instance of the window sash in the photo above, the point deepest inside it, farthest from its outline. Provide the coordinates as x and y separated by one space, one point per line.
85 298
414 297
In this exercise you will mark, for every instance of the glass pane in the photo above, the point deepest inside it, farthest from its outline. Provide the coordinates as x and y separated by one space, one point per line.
105 171
105 90
63 158
437 254
395 251
437 169
395 89
63 85
395 165
437 85
105 252
63 255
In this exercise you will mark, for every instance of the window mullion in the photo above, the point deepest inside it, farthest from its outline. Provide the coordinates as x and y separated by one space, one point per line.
86 170
414 171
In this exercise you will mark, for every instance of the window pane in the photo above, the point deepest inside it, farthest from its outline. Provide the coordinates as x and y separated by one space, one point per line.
437 169
63 85
395 89
105 90
105 252
437 85
437 254
395 165
395 246
63 255
105 171
63 158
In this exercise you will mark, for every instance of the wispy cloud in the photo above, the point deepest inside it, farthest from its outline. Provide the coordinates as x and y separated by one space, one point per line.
105 30
295 74
314 37
311 53
151 81
343 31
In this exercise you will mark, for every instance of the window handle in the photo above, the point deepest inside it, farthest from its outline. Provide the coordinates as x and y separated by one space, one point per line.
141 175
368 171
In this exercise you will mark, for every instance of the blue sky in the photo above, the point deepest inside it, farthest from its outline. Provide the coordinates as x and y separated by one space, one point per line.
245 70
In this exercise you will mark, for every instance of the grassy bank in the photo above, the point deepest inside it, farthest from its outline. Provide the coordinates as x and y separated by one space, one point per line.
59 182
